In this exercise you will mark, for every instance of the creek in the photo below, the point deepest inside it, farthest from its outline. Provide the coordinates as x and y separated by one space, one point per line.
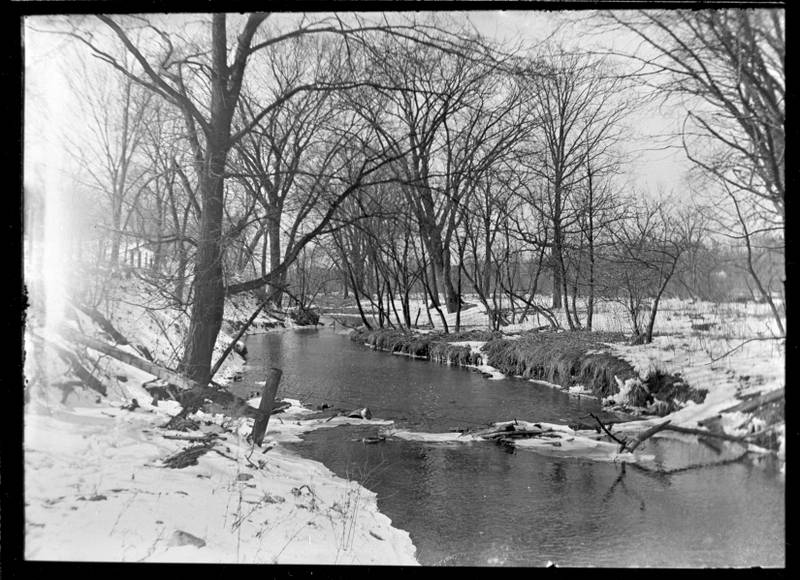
482 504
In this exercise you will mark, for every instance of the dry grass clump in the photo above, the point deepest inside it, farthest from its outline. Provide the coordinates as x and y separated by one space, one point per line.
389 339
459 355
434 346
561 358
476 334
597 372
669 388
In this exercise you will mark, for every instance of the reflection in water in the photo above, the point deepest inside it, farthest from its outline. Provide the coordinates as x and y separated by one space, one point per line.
474 504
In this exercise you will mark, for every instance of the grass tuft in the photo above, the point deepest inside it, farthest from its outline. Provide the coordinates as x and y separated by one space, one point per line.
562 358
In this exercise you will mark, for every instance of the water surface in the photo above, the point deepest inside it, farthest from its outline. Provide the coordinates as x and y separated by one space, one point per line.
479 504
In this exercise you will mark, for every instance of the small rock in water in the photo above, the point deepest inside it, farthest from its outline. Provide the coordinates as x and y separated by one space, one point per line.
134 405
240 348
364 413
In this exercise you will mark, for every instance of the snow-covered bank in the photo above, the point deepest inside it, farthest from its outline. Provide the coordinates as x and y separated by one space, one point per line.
96 484
96 489
691 377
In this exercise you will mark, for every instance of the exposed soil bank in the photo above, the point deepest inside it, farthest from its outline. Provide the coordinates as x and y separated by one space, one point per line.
567 359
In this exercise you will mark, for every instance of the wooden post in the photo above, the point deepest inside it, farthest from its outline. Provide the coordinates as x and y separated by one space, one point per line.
267 400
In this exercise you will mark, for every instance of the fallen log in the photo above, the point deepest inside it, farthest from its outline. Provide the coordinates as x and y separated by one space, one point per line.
646 435
103 323
704 433
86 377
514 434
186 457
750 405
129 359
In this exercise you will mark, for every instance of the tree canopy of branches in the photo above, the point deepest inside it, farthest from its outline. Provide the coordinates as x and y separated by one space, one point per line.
728 68
203 77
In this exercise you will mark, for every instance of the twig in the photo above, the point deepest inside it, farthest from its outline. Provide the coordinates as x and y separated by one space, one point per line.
225 455
622 443
203 439
233 342
738 346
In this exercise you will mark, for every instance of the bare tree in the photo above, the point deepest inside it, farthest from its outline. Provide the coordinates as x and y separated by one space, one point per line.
198 78
727 67
457 116
647 254
117 110
579 111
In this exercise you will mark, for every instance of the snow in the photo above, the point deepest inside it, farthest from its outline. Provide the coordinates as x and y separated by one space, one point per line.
755 367
96 487
624 390
738 355
561 441
96 490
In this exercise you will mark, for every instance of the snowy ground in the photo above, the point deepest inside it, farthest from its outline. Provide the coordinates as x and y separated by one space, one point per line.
97 489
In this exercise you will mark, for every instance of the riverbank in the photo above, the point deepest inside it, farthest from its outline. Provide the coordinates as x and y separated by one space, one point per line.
97 489
654 382
105 481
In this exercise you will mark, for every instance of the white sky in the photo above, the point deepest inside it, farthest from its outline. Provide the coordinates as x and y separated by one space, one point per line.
653 168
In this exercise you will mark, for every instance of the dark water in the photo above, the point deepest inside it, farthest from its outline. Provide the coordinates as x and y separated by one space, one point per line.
478 504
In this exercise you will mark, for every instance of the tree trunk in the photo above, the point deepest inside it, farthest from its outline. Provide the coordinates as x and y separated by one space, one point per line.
440 258
556 285
590 242
274 235
590 300
452 296
116 236
180 281
209 291
574 303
